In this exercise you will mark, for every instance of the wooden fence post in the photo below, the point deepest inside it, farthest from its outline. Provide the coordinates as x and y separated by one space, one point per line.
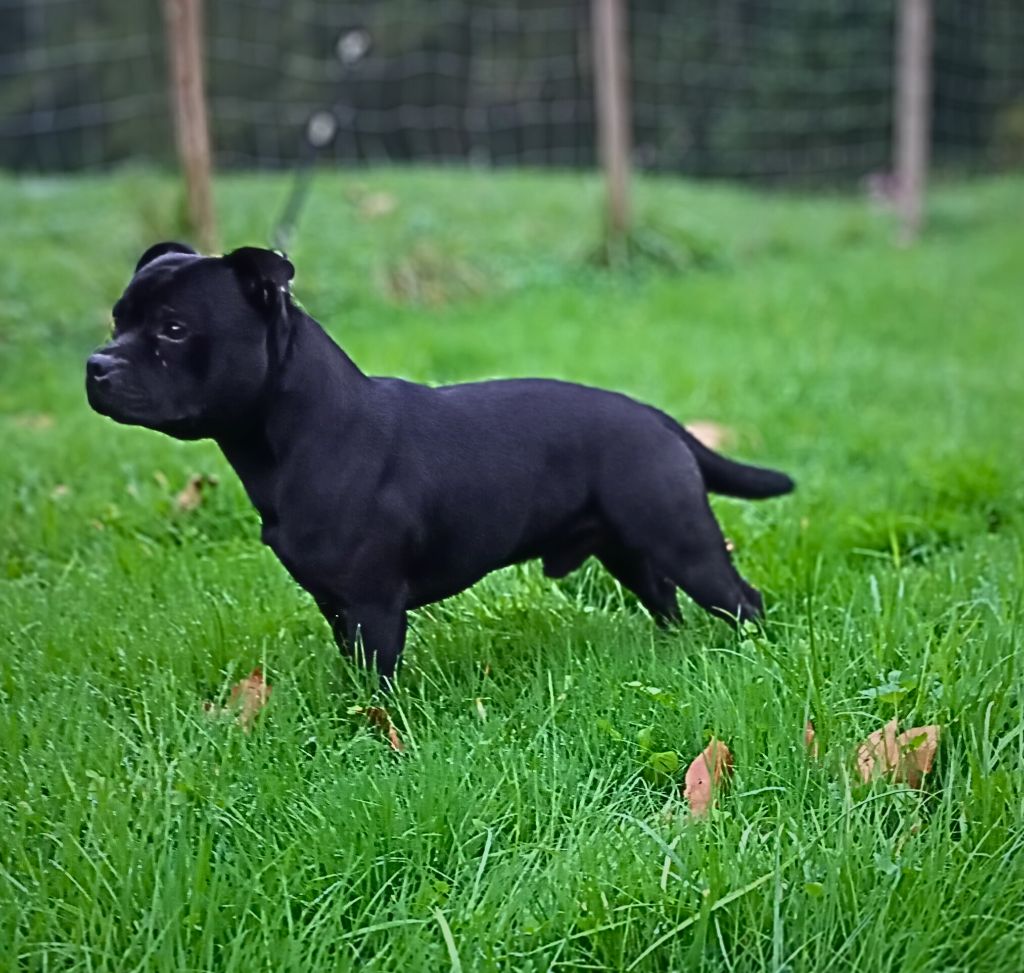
913 113
611 70
184 20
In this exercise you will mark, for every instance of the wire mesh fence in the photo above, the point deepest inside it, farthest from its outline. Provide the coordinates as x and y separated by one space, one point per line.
767 90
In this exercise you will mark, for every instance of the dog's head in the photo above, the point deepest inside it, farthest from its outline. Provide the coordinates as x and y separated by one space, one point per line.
195 340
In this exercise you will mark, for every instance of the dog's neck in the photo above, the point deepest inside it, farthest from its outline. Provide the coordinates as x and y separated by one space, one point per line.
313 364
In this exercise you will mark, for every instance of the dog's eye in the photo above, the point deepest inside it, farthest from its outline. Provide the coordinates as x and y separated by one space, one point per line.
174 331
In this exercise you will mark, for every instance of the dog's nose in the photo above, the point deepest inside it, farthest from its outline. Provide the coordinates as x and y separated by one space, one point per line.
99 366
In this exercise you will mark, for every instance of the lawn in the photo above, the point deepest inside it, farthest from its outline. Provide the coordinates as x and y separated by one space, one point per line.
523 828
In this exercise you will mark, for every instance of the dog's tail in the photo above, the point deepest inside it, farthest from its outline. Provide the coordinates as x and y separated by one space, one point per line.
728 477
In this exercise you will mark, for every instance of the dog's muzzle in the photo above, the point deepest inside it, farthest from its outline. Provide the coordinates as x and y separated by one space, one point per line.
102 387
99 367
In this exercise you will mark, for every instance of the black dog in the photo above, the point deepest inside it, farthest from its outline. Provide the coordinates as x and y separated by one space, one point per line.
379 495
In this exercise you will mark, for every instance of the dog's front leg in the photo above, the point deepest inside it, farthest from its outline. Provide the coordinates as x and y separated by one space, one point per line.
336 617
376 634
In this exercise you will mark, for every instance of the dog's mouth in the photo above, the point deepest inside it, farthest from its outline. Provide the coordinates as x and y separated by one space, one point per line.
114 395
111 396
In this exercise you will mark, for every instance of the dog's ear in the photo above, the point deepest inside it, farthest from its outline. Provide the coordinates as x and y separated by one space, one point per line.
159 250
263 274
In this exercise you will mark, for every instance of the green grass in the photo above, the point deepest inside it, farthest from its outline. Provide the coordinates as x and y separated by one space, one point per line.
136 834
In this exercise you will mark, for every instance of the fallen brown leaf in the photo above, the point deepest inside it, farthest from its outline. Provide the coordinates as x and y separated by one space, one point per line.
917 750
251 694
705 776
905 757
37 421
248 696
711 434
810 742
428 274
191 495
878 756
374 205
379 718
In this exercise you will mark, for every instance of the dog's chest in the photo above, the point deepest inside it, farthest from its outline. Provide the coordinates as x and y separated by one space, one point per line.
274 535
314 558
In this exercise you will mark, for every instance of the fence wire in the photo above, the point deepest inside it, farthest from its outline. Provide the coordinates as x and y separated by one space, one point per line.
766 90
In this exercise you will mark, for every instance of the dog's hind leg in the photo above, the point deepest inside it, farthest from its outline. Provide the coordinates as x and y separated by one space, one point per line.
663 511
707 575
634 571
692 552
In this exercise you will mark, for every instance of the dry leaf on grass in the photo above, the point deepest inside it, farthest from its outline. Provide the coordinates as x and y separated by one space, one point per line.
427 274
878 756
379 718
706 776
371 204
374 205
248 697
904 757
711 434
191 495
251 694
918 748
810 741
37 421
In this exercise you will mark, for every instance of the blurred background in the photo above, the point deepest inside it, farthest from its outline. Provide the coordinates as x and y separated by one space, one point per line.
791 92
786 91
